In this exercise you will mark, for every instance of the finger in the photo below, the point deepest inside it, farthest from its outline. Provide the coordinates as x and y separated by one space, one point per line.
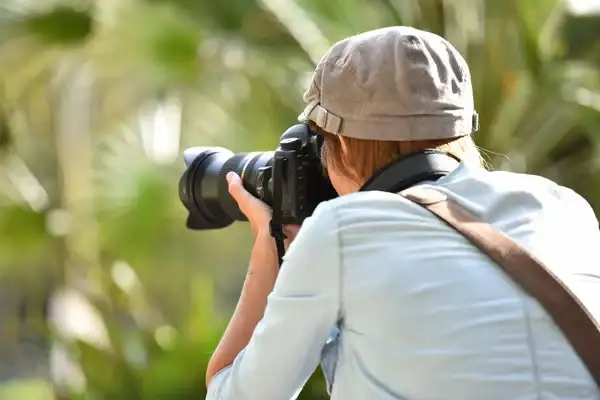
247 203
236 189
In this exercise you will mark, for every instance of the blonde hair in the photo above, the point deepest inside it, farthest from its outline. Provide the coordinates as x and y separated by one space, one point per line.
364 157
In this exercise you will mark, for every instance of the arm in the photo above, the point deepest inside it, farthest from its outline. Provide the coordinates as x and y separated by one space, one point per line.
285 347
251 306
259 282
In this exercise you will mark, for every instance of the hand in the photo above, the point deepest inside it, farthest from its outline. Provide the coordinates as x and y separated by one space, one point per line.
290 231
257 212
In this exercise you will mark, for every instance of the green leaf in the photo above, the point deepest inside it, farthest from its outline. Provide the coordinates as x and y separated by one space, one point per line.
24 236
244 20
433 16
61 25
177 374
148 49
106 374
578 31
6 138
139 226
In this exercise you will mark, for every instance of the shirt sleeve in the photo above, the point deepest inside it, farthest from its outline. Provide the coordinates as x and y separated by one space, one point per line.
301 312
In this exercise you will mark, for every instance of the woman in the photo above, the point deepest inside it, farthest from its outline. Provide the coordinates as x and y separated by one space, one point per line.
392 302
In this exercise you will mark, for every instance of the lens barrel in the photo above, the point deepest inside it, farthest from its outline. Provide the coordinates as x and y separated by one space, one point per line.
290 179
203 189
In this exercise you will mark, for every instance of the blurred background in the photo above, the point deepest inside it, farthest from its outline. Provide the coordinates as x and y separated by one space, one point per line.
103 292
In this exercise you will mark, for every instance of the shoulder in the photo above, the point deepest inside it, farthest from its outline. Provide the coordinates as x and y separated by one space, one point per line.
495 193
333 219
357 225
543 189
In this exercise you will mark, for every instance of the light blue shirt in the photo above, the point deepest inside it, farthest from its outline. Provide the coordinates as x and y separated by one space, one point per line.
421 313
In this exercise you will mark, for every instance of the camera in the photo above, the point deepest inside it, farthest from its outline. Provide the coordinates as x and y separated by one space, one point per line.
290 179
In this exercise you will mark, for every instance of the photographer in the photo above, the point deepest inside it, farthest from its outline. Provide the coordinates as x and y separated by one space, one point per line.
392 302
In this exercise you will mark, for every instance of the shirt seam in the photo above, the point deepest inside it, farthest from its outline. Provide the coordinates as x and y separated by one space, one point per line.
531 346
340 262
340 319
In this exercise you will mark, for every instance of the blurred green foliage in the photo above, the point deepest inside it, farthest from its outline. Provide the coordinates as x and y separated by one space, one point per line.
98 98
59 26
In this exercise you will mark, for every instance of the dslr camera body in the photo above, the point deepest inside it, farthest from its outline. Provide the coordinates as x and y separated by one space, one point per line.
291 180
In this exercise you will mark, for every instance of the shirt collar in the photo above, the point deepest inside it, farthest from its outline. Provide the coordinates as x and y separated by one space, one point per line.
464 170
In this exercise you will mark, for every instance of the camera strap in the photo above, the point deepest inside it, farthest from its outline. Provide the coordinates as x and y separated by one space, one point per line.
569 313
276 225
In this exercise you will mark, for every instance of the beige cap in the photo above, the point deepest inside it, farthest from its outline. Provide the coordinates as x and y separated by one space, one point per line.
396 83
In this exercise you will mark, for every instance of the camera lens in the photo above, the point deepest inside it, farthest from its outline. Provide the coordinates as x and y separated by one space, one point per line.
203 188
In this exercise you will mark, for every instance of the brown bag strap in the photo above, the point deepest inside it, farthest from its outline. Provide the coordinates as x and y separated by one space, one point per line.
569 314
